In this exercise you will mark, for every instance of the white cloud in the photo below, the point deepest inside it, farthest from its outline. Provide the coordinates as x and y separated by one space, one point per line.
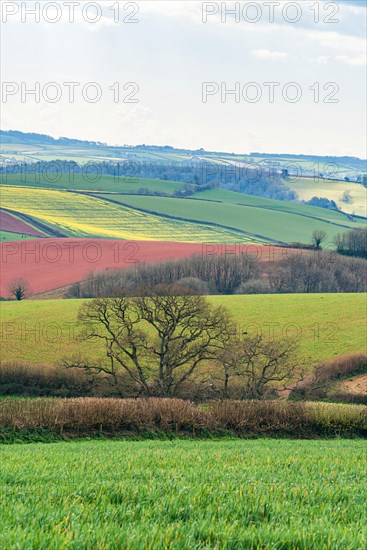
267 54
358 61
179 9
321 59
354 61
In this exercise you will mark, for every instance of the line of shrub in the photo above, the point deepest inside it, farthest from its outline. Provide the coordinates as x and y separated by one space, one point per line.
119 417
21 378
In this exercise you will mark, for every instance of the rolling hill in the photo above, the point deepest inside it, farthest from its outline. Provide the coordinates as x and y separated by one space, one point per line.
215 216
29 147
152 208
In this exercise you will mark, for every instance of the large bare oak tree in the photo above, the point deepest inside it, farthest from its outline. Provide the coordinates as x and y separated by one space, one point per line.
158 340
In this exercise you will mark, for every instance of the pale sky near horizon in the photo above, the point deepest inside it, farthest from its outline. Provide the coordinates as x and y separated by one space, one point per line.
170 52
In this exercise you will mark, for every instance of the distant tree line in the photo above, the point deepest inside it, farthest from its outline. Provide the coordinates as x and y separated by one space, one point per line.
303 272
197 175
323 202
203 274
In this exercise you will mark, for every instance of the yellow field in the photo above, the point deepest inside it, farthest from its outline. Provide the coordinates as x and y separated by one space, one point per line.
83 216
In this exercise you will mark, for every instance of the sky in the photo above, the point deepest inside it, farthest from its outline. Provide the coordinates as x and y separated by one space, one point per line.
276 77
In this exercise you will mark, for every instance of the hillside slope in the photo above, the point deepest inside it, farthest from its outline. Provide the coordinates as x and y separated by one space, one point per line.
325 324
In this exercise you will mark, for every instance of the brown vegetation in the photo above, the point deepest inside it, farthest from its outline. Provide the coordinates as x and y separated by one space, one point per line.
85 416
319 272
20 378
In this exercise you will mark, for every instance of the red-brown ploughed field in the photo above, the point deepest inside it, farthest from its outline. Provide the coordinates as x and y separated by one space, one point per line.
48 264
52 263
13 224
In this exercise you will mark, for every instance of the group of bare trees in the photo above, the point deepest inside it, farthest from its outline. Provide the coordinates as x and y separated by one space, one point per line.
172 341
321 272
301 271
205 274
352 243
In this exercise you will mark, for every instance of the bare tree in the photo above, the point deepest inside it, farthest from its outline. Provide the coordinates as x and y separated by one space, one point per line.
19 289
260 366
158 340
318 237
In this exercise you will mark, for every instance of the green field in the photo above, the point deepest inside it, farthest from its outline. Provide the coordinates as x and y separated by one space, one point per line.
80 215
313 212
306 188
326 325
184 494
109 184
282 222
6 236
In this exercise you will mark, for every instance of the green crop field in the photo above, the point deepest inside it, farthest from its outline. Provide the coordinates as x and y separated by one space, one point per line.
80 215
326 325
313 212
306 188
288 224
92 182
184 494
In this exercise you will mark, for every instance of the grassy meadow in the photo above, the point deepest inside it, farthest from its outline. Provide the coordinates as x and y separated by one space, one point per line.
184 494
326 325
